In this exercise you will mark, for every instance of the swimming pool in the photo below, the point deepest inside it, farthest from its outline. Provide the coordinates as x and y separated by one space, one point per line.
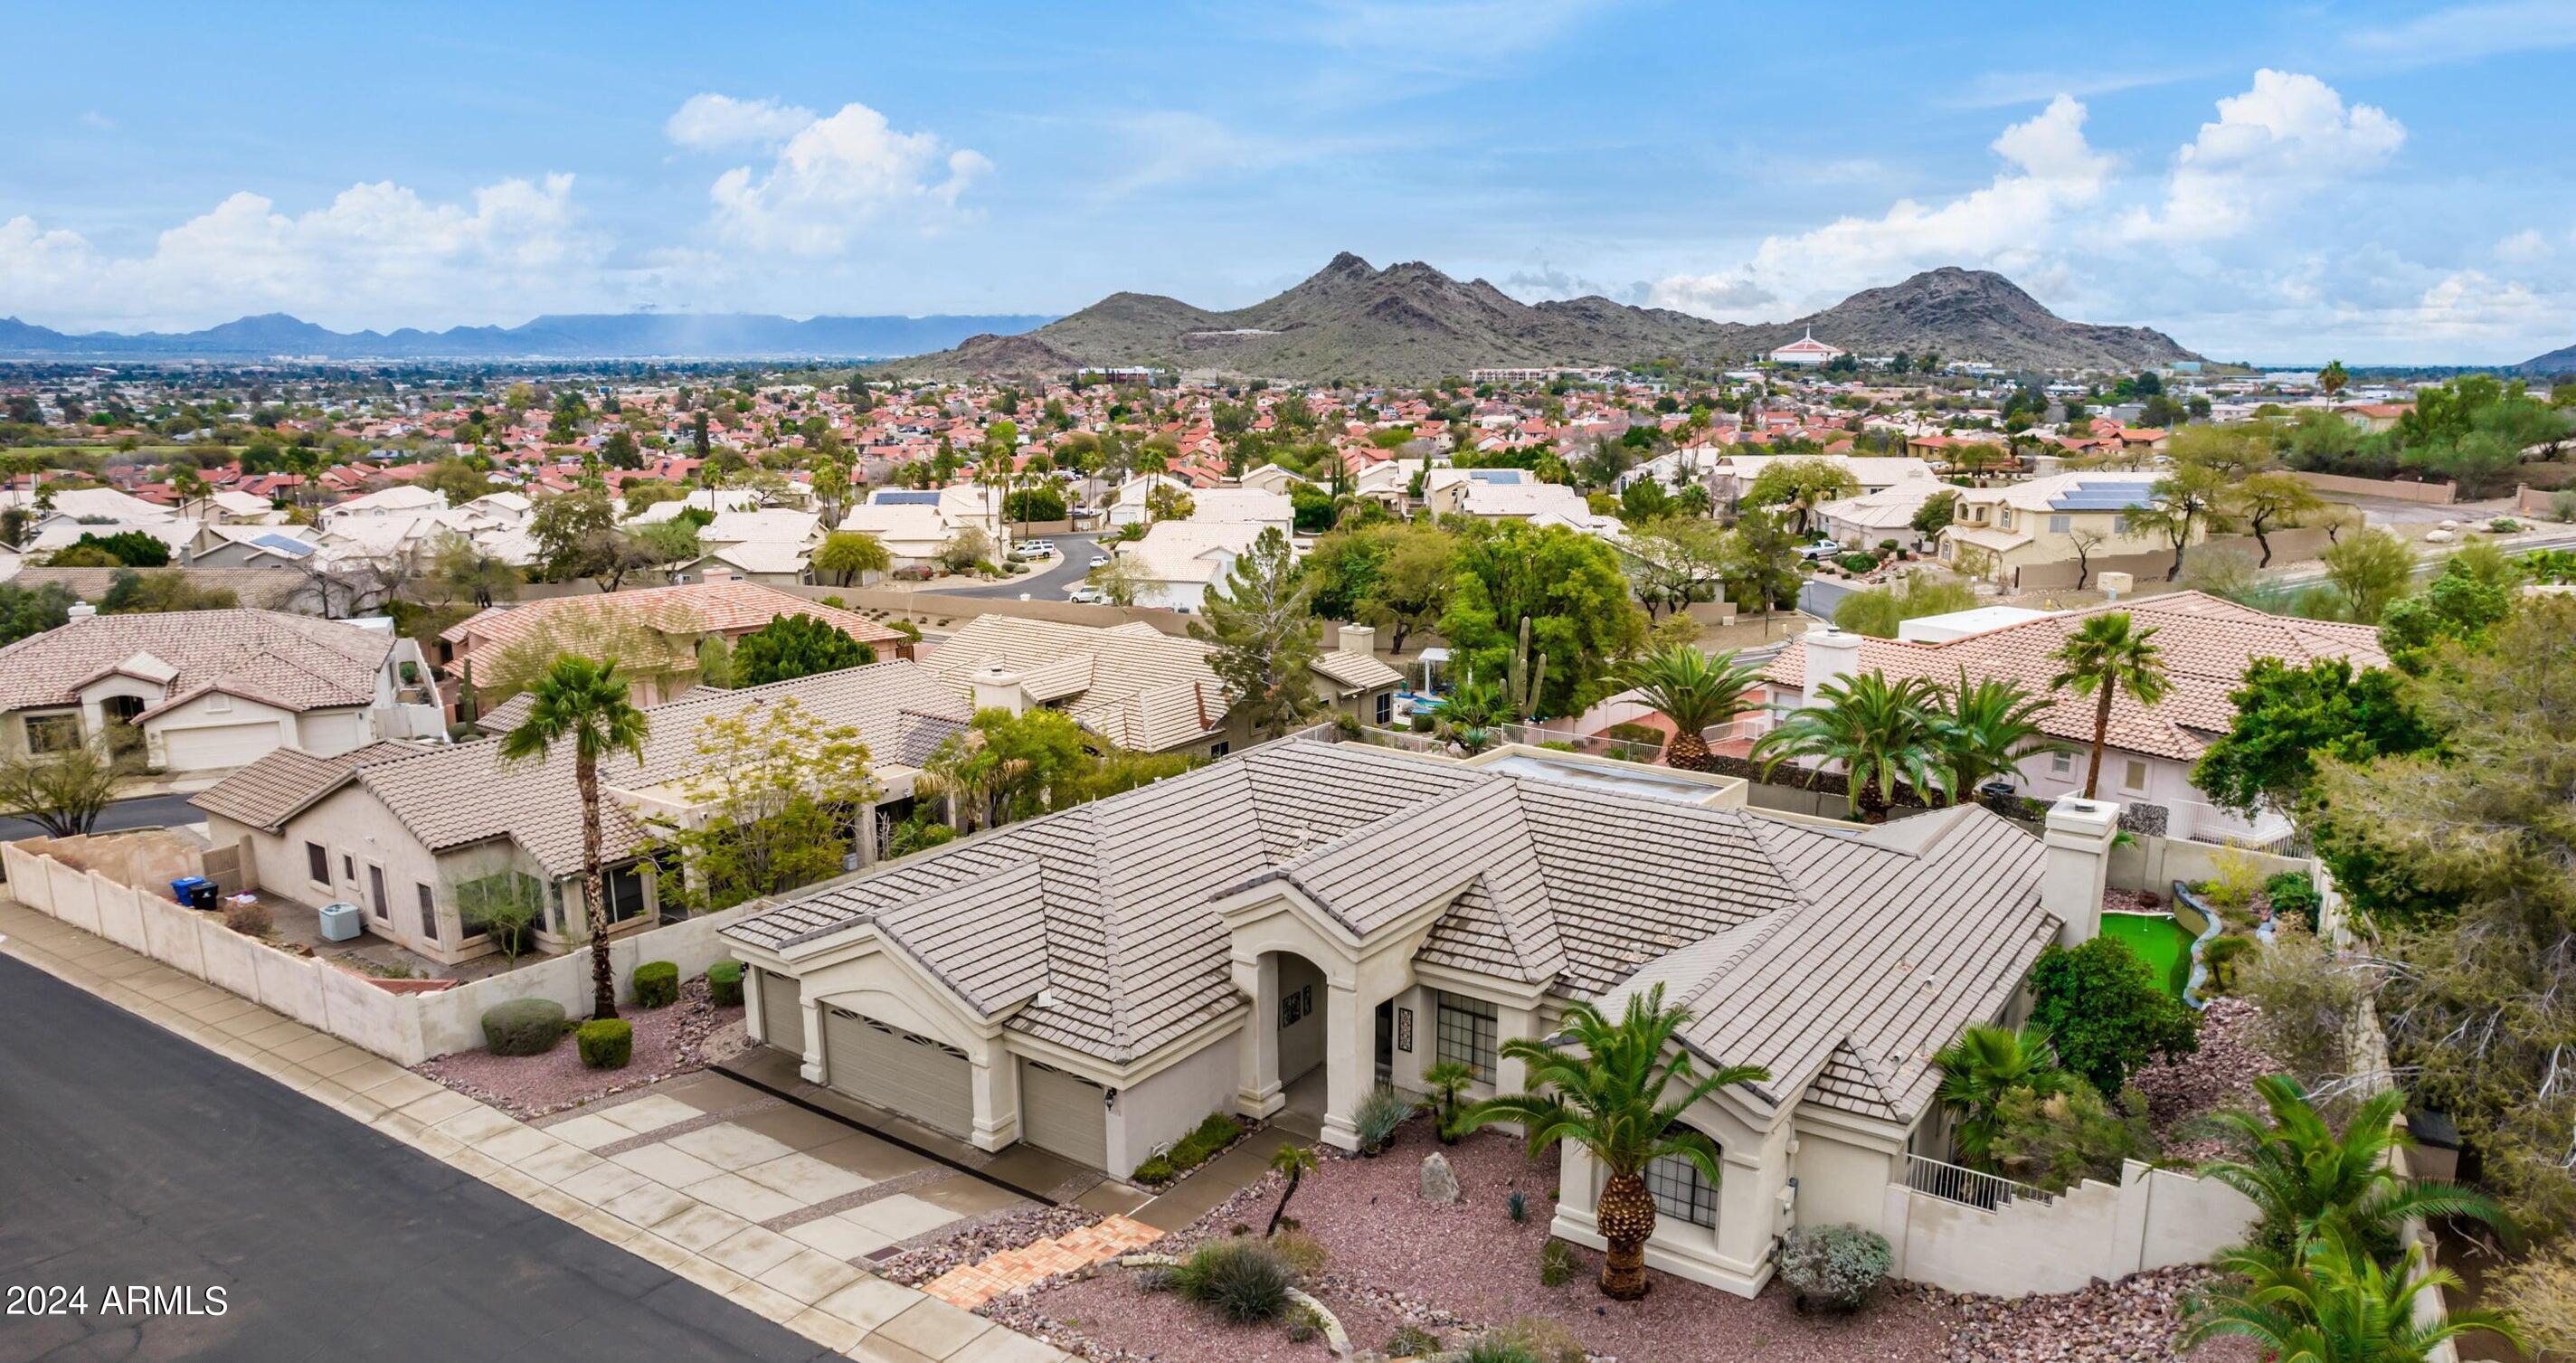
2162 943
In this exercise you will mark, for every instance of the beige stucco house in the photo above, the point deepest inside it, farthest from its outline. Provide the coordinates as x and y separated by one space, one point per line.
417 837
1307 920
2028 524
209 690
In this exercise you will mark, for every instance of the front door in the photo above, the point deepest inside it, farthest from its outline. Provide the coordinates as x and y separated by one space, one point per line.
1385 1041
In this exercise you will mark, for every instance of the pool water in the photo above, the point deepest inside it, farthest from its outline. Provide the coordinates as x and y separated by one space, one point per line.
2159 941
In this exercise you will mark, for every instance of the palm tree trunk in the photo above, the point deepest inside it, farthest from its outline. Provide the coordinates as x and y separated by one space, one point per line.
1294 1175
2101 732
1689 752
1626 1216
603 985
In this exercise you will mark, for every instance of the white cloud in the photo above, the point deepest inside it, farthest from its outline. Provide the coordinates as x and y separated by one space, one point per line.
2526 247
2467 32
2289 132
2050 171
837 175
380 247
712 121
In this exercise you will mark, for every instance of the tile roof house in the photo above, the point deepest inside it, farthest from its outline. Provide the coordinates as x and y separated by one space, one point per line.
211 689
666 623
1306 919
404 831
1178 563
2207 642
2035 522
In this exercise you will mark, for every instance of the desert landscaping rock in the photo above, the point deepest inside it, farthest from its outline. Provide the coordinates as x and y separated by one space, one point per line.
1439 1181
672 1040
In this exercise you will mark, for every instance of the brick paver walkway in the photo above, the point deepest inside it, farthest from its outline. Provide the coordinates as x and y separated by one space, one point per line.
972 1285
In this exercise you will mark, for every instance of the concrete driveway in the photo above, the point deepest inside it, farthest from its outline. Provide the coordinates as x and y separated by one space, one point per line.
136 1157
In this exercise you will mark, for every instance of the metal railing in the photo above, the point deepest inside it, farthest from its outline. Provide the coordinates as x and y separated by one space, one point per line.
1987 1192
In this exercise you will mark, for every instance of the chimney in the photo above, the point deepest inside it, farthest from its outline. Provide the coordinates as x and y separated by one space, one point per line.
81 610
997 687
2077 864
1359 639
1832 655
2116 585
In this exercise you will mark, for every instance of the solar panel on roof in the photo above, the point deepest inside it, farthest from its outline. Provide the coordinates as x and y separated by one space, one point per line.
888 498
283 544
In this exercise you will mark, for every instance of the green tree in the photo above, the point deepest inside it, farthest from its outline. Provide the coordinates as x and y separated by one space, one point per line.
792 646
2271 499
63 793
572 533
2106 655
2457 605
773 797
1880 732
2369 571
583 704
1263 638
2311 1182
1291 1162
1877 611
1799 486
2185 505
1985 729
1676 560
456 480
1567 584
1619 1090
131 548
134 593
1936 513
1472 715
1411 587
1006 766
2332 378
1977 1071
2106 1012
33 610
1696 692
849 555
2287 718
1766 569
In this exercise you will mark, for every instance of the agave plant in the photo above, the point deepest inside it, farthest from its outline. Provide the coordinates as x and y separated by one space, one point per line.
1882 733
1619 1090
1696 692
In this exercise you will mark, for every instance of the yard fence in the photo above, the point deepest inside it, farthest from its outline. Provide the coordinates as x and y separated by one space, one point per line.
113 887
1954 1229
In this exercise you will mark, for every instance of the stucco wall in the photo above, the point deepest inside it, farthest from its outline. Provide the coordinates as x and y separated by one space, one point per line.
1840 1182
1301 1044
2150 1219
453 1019
1162 1109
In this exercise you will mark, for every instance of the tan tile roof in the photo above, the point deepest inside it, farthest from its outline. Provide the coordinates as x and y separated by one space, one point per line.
1132 684
257 588
292 661
683 613
453 797
277 787
1358 671
2208 643
1096 921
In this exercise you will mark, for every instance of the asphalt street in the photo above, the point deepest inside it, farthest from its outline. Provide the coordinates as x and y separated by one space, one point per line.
130 1158
143 811
1073 562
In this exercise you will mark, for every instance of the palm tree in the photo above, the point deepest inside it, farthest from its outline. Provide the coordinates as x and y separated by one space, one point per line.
1989 728
1446 1081
1881 731
2103 657
1696 692
2333 1302
2309 1182
1613 1088
585 703
1977 1070
1295 1161
1469 715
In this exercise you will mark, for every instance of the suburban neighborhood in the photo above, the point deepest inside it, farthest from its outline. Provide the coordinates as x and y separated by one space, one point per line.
647 788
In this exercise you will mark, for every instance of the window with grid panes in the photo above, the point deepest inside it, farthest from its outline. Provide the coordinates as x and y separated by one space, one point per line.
1466 1034
1681 1191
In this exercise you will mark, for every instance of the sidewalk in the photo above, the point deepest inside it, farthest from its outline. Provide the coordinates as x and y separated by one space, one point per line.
821 1297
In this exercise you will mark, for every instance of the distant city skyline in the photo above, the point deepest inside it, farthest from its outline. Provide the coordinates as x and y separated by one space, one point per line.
2377 182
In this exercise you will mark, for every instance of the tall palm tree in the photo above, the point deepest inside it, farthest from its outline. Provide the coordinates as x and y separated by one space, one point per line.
583 703
1696 692
2332 1301
1619 1090
1988 728
2311 1183
1977 1070
1881 731
2106 655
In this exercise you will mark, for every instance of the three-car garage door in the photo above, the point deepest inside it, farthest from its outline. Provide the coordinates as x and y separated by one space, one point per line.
229 745
1063 1113
926 1080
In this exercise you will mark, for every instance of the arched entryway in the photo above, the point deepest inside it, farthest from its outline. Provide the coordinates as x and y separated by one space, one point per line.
1299 1031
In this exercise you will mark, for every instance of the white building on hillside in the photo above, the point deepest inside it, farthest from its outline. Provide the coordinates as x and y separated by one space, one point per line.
1806 350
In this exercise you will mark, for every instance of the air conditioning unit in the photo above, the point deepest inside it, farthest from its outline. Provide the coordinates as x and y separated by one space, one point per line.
341 922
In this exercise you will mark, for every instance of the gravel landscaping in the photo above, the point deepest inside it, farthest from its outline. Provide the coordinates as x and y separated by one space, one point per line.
1395 1259
977 1241
2133 1319
687 1035
2219 1075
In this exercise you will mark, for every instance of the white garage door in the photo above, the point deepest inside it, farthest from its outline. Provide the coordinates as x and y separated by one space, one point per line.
1063 1113
230 745
782 1018
329 735
926 1080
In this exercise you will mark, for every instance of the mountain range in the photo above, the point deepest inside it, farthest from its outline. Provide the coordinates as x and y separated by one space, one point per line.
2559 361
1412 323
567 336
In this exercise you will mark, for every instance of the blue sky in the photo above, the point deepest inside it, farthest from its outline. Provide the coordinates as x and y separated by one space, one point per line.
2376 181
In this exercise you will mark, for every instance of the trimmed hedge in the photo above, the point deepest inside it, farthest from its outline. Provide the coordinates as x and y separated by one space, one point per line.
523 1027
724 984
657 983
606 1043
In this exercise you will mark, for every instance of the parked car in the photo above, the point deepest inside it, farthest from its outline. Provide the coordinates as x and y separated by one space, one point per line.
1820 549
1033 549
1087 595
1099 560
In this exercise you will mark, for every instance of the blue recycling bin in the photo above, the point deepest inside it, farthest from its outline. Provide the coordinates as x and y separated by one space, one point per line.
195 892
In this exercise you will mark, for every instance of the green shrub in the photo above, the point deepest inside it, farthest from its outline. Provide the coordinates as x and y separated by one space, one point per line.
1242 1281
1381 1112
2056 1140
1857 563
1411 1341
1516 1207
1303 1324
1555 1264
1155 1169
523 1027
1537 1338
1835 1267
606 1043
2106 1012
724 984
1493 1347
1213 1134
2223 956
2294 892
657 983
1629 731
